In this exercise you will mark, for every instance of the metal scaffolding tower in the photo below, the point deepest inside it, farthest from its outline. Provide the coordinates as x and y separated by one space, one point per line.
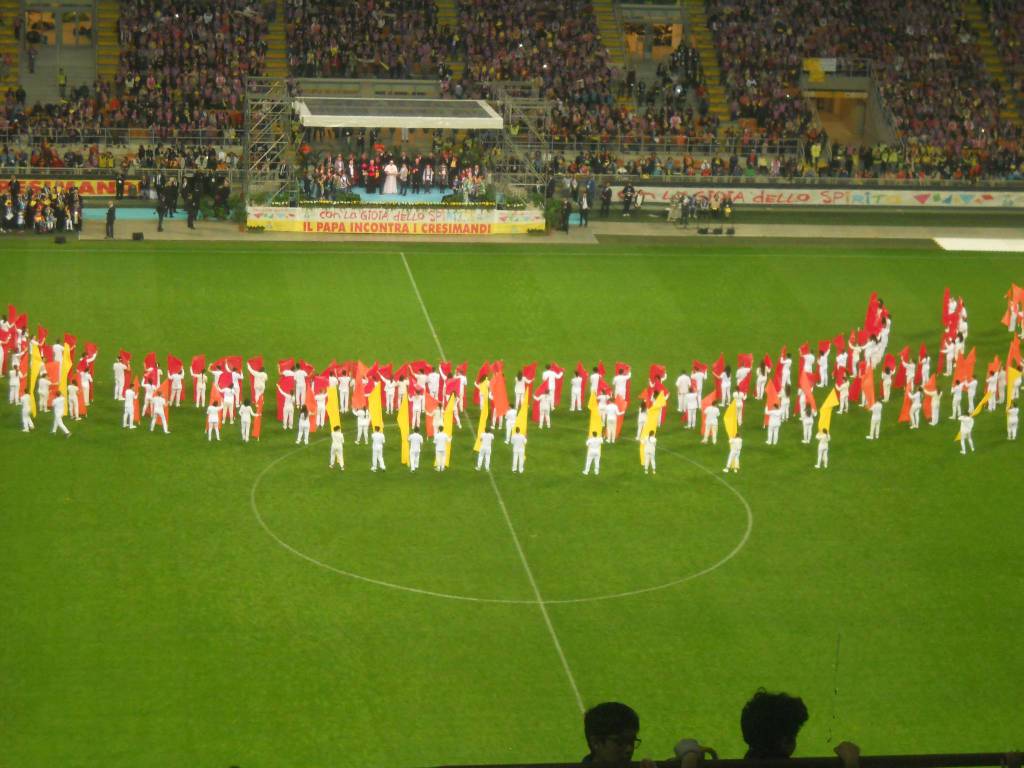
271 142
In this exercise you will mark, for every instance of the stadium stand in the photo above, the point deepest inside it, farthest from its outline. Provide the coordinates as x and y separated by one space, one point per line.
925 57
356 38
182 64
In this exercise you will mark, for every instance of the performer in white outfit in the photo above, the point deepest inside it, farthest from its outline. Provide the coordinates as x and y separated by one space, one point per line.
377 440
576 393
774 422
441 440
212 422
415 446
302 435
650 447
966 428
711 414
58 416
823 441
337 449
119 371
128 419
593 454
733 460
518 451
875 426
483 458
159 410
27 425
245 417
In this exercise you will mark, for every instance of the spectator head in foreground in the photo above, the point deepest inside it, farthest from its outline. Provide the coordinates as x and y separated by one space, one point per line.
611 730
770 723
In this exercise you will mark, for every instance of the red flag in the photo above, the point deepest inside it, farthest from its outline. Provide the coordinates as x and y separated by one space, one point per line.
307 367
287 364
718 368
135 402
70 341
530 372
41 334
535 405
285 384
225 380
872 319
174 364
560 372
1013 356
446 369
994 366
358 393
777 377
124 357
839 342
929 386
12 313
823 347
600 368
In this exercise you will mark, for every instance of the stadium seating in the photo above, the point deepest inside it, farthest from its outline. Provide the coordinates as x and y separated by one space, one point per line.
925 56
363 38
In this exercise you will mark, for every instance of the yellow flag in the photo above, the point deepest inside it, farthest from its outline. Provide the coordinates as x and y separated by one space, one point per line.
825 411
403 427
65 370
485 407
651 424
1012 374
595 415
730 421
979 406
35 363
333 410
523 417
376 412
448 419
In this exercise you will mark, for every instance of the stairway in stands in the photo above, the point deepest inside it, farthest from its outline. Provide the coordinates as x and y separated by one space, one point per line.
108 46
705 43
277 45
448 15
8 45
610 29
993 61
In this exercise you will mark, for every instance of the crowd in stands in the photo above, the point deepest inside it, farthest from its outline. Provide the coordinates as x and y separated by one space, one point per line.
42 209
1006 24
945 105
365 38
95 156
183 63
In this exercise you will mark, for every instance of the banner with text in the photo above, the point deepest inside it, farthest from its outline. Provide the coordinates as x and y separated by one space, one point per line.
783 197
440 222
86 187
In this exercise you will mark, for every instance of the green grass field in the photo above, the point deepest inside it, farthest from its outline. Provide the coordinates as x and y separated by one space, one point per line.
168 601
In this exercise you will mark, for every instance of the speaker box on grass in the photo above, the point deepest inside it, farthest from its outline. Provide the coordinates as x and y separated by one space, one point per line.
137 236
731 231
60 239
702 230
718 230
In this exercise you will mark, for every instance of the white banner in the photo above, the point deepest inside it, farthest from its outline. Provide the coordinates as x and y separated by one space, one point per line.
440 222
786 197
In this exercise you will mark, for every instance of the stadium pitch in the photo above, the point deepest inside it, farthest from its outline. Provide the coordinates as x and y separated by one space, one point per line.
172 601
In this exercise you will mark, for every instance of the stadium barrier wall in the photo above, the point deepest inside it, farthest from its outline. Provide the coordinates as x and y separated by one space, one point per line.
967 760
787 197
439 222
86 187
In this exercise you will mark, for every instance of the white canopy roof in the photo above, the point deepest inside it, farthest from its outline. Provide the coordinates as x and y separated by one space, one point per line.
348 112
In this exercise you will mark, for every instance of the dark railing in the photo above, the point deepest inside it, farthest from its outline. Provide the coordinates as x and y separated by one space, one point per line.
969 760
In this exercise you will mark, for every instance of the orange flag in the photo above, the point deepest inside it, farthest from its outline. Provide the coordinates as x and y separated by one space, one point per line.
499 396
53 374
1013 356
257 424
771 399
311 407
867 385
429 406
708 400
964 370
358 401
905 410
926 403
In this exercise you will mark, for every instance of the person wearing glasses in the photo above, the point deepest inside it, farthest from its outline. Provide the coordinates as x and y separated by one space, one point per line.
611 731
